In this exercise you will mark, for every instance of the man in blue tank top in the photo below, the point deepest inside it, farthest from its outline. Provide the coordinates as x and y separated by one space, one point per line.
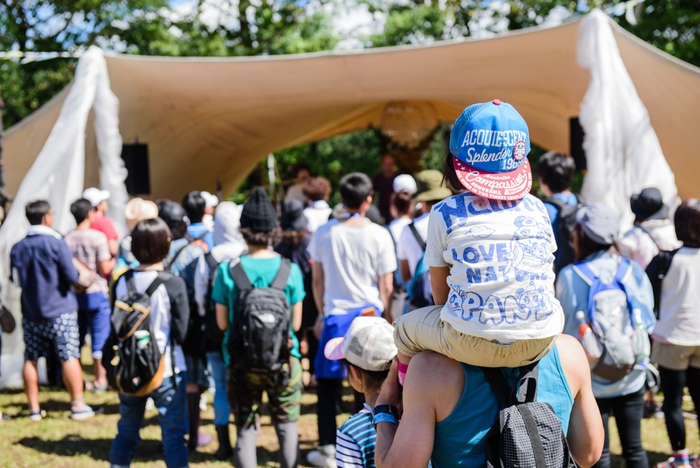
447 424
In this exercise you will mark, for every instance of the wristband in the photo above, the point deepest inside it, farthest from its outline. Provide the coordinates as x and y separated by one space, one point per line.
384 417
386 409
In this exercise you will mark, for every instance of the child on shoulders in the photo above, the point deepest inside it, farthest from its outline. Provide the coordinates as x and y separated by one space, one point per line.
490 250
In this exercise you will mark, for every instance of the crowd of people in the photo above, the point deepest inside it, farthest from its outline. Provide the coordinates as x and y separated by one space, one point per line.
445 299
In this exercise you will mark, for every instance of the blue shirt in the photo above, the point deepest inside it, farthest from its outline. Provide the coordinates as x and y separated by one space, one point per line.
197 229
45 271
572 292
460 439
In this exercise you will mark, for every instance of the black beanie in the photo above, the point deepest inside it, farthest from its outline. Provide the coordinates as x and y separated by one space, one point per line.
258 213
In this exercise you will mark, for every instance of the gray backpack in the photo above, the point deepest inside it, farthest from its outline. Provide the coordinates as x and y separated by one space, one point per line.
528 433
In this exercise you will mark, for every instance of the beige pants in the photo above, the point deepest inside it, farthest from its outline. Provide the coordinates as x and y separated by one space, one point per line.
423 329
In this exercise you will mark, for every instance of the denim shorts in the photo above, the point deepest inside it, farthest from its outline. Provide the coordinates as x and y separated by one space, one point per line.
94 314
60 332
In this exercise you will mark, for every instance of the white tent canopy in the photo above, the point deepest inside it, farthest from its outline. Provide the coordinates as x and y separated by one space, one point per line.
215 118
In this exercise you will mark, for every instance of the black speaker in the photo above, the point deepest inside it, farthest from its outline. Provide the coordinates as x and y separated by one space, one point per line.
138 181
576 135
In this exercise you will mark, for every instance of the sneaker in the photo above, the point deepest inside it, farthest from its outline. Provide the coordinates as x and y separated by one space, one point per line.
323 456
83 413
652 410
671 463
37 415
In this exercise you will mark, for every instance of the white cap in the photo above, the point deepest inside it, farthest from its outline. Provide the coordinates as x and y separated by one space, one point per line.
209 199
95 195
368 344
405 183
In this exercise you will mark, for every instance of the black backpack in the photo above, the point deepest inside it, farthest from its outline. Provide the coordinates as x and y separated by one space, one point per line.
259 338
565 226
419 289
212 332
527 434
131 356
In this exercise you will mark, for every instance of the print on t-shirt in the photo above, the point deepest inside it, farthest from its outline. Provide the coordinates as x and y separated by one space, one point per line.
500 255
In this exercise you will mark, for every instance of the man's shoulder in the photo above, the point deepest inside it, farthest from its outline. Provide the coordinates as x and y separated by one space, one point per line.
428 367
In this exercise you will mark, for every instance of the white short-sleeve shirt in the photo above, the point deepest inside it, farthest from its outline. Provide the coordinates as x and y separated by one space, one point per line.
353 258
407 247
500 255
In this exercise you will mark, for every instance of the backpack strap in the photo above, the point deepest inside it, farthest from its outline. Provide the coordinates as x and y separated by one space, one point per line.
499 385
190 240
657 271
555 202
525 389
419 239
211 262
160 279
584 272
622 270
240 277
280 281
130 283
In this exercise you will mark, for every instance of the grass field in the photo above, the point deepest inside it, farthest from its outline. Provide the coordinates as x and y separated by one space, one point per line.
58 441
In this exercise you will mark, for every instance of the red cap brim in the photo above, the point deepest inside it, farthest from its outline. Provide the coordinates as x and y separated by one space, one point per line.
512 185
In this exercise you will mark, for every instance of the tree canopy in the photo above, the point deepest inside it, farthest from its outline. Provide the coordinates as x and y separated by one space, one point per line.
270 27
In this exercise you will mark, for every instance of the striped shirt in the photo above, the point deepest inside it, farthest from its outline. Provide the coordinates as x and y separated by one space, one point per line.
355 442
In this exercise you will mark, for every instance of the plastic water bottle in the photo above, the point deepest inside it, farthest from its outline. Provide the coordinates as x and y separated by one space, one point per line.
642 346
591 345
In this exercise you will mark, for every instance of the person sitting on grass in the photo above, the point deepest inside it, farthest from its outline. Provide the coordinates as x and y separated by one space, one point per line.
367 350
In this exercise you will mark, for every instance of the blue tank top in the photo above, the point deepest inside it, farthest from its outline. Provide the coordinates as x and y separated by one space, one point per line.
461 437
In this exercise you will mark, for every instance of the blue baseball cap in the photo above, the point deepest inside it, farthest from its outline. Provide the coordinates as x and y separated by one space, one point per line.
489 143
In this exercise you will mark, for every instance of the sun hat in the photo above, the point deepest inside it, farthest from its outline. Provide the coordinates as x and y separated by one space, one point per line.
293 218
601 223
210 200
429 186
489 143
258 214
95 195
405 183
368 344
138 209
649 204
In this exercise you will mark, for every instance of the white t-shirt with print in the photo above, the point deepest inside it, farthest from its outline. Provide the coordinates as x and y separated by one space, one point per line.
408 248
500 256
353 259
160 318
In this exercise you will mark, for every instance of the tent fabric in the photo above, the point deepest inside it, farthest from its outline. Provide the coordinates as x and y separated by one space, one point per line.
58 172
620 143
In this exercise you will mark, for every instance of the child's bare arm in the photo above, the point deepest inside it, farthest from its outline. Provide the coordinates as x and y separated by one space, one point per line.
438 281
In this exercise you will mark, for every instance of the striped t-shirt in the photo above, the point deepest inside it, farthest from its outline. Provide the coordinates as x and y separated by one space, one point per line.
355 441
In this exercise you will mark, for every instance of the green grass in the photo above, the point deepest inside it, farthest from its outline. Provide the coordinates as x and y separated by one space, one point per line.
59 441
